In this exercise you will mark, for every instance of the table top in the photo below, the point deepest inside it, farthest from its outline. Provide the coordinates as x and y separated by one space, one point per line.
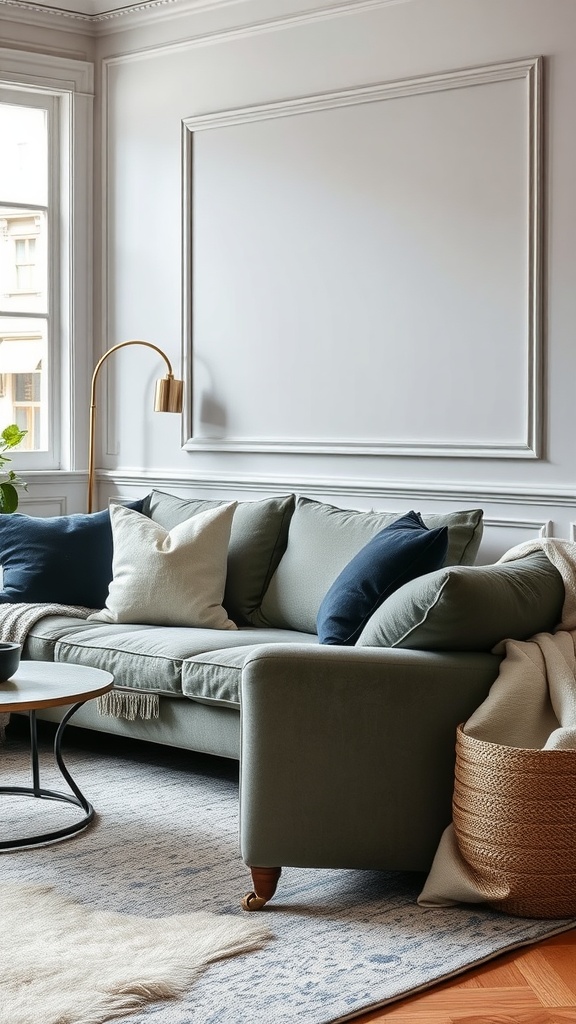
48 684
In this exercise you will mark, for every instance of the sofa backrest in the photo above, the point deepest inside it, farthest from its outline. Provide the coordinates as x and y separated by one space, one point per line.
322 539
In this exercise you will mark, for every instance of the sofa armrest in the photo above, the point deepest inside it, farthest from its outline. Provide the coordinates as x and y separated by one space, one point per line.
347 754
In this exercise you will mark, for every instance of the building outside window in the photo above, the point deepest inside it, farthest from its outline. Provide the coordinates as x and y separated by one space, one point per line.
26 262
25 130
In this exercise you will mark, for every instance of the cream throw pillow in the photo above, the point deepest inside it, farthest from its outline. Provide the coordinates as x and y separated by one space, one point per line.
169 577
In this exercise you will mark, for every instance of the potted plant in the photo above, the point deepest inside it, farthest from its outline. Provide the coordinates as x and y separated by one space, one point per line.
10 437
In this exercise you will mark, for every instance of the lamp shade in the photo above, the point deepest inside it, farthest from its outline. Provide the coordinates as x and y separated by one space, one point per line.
168 394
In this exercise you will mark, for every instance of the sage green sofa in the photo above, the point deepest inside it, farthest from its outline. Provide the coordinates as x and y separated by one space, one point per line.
346 752
283 555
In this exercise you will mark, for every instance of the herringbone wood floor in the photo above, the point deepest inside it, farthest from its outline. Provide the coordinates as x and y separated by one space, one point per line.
532 985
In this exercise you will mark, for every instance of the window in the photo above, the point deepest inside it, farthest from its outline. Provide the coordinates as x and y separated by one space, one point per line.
26 217
26 264
27 407
45 253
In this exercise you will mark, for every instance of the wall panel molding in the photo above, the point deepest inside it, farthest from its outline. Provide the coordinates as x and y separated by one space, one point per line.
54 505
540 528
501 533
346 488
522 439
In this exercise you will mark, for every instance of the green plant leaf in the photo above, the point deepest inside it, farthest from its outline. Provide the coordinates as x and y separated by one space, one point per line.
8 497
11 436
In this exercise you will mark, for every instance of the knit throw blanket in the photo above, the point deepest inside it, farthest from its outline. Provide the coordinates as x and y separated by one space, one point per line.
531 705
16 620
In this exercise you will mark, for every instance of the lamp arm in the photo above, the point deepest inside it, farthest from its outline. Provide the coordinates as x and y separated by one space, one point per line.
121 344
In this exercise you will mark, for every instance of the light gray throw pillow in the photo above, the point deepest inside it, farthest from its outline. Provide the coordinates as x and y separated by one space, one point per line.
169 578
470 608
322 539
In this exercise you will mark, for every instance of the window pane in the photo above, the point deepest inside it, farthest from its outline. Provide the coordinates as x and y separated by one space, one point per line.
26 387
24 163
23 260
23 379
29 419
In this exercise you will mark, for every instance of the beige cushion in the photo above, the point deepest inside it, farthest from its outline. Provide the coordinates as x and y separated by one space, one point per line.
169 578
322 539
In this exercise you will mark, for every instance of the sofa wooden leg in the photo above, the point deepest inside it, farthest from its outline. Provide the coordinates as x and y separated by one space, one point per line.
264 881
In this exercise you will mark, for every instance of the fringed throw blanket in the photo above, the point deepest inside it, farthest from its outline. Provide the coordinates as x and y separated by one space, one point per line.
16 620
129 704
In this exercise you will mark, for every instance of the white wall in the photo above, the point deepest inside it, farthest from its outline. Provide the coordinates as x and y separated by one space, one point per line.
367 322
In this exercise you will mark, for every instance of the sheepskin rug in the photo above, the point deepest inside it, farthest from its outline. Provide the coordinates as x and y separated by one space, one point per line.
64 961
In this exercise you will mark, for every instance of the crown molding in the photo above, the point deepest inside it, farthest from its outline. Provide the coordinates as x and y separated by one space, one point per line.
96 16
90 11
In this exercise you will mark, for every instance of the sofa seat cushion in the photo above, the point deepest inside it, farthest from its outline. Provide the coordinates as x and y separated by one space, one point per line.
323 539
138 656
42 636
215 677
142 656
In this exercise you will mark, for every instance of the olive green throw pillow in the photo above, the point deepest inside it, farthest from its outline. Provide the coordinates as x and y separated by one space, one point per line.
470 608
257 542
323 539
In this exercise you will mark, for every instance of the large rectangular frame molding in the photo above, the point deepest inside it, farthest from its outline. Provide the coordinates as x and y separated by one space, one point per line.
530 446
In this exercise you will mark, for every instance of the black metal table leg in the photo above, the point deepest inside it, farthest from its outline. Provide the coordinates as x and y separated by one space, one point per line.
36 790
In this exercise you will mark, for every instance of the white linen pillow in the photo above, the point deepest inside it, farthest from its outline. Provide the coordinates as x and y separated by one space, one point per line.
169 577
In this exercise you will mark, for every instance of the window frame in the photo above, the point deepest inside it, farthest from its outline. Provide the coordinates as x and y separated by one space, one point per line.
67 86
50 313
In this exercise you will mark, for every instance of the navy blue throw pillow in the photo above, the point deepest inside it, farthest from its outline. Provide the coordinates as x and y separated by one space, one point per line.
397 554
60 559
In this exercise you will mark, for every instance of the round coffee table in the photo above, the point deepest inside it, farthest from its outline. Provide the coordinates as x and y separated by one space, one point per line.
47 684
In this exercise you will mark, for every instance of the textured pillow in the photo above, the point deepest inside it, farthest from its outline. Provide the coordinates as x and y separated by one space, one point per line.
173 578
322 539
399 553
61 559
470 608
257 542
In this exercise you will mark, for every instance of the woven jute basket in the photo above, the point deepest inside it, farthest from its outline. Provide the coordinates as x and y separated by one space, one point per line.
514 814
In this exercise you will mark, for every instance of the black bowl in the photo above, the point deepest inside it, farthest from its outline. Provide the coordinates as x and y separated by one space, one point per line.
9 660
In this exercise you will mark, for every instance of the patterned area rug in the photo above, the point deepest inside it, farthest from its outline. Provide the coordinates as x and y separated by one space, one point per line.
165 842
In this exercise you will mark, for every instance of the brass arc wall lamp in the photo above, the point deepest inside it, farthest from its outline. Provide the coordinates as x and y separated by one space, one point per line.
167 398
